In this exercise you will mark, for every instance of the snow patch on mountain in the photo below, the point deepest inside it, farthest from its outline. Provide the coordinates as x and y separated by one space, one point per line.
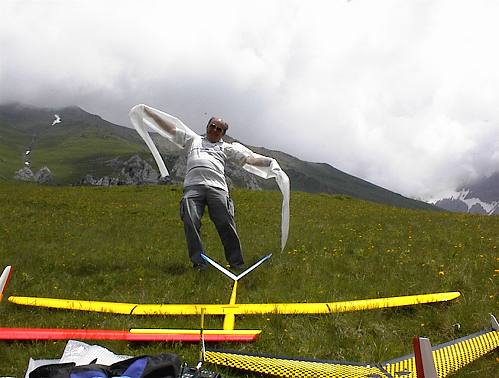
463 201
488 207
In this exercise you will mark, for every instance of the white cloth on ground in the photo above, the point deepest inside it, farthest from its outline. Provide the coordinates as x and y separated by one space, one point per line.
81 354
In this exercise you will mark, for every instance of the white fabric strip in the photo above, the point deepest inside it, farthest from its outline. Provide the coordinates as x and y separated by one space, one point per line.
272 171
145 124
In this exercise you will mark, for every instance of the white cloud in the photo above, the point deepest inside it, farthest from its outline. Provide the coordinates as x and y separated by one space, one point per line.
403 94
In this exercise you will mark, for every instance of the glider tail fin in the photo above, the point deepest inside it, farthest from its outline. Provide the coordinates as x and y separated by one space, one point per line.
4 280
453 355
232 275
219 267
425 366
493 323
255 265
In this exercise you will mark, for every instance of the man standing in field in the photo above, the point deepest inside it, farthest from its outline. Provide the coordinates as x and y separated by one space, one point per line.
205 184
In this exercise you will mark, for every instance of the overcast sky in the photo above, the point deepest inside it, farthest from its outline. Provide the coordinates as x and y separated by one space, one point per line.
404 94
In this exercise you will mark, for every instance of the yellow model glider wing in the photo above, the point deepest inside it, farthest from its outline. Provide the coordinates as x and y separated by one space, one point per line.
236 309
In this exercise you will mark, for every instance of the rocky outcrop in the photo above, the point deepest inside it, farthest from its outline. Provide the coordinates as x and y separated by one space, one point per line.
452 204
477 209
138 171
134 171
25 174
43 176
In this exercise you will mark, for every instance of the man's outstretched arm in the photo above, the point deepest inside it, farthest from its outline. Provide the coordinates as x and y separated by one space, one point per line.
165 124
259 161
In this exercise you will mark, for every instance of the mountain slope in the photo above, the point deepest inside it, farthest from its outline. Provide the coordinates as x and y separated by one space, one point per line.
323 178
80 144
84 143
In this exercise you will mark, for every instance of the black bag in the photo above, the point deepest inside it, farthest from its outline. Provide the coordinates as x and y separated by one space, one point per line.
160 366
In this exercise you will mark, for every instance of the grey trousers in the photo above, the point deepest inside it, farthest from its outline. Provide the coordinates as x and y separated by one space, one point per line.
221 211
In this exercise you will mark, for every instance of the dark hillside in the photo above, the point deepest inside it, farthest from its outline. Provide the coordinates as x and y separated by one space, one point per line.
323 178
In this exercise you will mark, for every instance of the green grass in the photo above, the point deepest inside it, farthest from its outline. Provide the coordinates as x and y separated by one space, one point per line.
127 244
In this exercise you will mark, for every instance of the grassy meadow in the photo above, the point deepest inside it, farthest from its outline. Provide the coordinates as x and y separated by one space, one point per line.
127 244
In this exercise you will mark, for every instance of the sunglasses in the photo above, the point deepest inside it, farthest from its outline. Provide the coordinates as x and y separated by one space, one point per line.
217 128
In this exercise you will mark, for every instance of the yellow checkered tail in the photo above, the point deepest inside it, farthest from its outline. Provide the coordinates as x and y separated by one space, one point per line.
287 367
448 358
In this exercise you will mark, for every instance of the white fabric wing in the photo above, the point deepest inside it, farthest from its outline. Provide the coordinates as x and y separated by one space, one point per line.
144 124
282 179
